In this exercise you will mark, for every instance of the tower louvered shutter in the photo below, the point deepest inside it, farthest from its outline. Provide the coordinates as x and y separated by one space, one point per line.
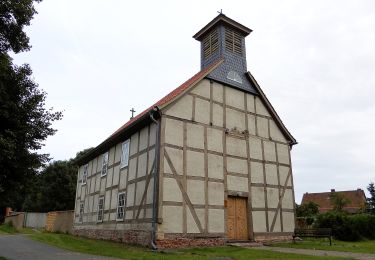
210 44
233 41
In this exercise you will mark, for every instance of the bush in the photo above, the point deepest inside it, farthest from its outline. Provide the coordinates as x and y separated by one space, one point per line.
348 227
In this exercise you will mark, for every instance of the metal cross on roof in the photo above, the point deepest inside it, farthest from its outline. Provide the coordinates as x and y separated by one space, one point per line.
132 110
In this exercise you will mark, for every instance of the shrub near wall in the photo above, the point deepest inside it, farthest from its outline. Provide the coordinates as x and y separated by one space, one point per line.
348 227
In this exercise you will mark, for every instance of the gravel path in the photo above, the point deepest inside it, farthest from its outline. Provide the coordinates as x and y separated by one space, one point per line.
22 247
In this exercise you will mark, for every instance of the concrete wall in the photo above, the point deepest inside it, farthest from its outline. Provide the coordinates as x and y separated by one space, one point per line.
216 142
17 220
35 220
134 180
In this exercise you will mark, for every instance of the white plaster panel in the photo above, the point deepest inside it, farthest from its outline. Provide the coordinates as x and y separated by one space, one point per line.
262 126
109 178
288 202
217 115
171 190
283 153
234 98
195 163
111 155
271 174
217 92
191 224
269 151
195 136
277 226
176 156
257 196
174 132
255 147
150 192
132 168
112 216
250 103
202 111
97 183
182 108
259 221
202 88
130 195
172 219
107 199
288 221
215 140
95 205
89 169
128 214
235 119
236 146
236 183
216 221
284 171
215 193
272 197
195 191
261 109
116 174
143 138
114 199
215 166
99 160
142 164
251 124
275 132
151 159
122 183
152 134
256 172
102 184
139 192
133 144
92 185
237 165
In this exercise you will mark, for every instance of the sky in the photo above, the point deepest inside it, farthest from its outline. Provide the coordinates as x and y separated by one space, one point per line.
315 61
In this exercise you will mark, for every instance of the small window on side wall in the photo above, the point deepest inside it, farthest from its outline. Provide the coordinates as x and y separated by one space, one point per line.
84 174
121 206
104 164
125 153
100 209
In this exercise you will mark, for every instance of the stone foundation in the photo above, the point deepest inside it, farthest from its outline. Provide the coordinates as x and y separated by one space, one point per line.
189 242
138 237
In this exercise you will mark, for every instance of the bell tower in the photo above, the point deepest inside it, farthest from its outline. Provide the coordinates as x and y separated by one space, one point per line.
224 38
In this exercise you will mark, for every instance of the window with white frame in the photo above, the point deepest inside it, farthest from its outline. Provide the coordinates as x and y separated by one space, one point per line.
104 164
125 153
121 206
81 211
84 174
100 209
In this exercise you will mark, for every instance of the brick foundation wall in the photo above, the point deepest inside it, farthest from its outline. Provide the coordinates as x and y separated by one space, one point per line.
189 242
137 237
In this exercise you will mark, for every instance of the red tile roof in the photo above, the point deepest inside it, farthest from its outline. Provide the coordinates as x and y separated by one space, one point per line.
357 200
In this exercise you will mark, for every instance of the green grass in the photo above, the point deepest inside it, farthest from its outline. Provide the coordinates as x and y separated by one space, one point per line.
106 248
367 246
7 229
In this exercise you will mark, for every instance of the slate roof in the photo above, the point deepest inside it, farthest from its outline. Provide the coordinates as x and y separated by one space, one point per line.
357 200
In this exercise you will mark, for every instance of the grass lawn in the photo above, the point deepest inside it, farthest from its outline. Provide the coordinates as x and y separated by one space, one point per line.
118 250
366 246
7 229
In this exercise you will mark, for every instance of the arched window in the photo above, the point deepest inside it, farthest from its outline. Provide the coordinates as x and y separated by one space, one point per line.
232 75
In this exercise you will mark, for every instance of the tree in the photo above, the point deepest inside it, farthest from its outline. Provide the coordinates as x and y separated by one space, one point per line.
24 121
371 200
338 201
309 209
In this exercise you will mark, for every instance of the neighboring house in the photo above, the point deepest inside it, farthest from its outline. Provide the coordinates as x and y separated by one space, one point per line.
209 162
357 200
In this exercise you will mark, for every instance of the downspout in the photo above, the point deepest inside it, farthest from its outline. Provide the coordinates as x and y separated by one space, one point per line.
156 180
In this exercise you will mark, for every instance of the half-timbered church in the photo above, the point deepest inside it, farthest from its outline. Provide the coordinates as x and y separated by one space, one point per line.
206 164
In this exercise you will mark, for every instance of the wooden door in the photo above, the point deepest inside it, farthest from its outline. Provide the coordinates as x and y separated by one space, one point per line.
237 218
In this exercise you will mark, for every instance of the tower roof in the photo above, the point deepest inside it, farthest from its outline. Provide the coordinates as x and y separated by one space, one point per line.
222 19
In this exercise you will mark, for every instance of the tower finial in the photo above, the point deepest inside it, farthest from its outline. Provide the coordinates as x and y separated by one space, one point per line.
132 110
221 11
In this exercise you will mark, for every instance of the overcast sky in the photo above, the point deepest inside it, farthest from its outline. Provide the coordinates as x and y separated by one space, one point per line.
315 60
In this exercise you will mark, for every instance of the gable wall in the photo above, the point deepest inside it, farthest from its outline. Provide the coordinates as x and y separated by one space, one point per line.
217 141
132 180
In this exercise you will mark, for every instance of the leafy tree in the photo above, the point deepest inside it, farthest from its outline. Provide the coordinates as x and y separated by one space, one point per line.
371 200
309 209
24 121
338 201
